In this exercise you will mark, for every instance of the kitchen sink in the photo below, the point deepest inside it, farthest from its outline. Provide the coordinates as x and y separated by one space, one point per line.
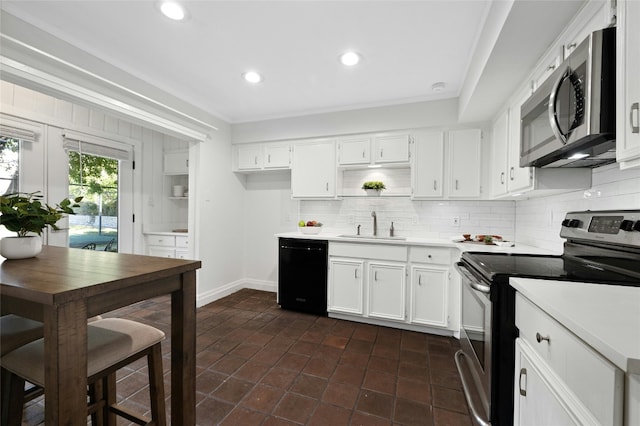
372 237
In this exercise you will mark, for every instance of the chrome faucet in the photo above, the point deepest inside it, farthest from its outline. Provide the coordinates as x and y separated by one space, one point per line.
375 223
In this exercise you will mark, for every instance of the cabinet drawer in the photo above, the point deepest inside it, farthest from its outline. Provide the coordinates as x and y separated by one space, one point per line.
182 241
597 383
161 240
369 251
433 255
162 252
182 254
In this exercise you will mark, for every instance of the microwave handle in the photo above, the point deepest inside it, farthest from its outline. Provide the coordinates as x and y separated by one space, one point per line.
553 114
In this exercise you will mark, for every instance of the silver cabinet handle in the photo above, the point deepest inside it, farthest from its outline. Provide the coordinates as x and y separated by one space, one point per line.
511 173
635 128
381 152
255 160
269 159
435 182
375 276
457 186
327 186
523 373
428 256
420 280
502 178
540 338
363 153
355 275
551 67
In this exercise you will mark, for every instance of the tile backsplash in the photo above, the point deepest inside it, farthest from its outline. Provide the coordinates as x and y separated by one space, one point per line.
538 220
427 219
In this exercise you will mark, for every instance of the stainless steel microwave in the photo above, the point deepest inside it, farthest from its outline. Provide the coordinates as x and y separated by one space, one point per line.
569 121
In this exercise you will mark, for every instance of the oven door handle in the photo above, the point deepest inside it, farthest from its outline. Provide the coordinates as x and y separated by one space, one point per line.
473 281
467 389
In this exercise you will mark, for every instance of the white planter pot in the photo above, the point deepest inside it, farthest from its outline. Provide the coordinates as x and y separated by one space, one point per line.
20 247
373 192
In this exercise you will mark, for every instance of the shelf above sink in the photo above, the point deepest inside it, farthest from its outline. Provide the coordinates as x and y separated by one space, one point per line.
371 237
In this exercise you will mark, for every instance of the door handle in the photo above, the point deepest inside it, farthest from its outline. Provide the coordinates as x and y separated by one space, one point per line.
420 280
523 373
375 276
435 185
502 178
457 184
511 172
355 275
635 128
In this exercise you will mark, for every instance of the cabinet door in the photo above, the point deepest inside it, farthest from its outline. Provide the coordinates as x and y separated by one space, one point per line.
519 178
535 403
249 157
628 84
356 150
499 155
547 69
345 286
387 290
169 252
313 172
176 163
391 148
465 160
428 165
277 156
429 295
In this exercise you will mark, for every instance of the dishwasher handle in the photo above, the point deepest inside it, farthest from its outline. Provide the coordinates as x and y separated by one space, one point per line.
301 248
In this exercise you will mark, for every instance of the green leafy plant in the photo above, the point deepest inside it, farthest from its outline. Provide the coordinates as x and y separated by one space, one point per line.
24 212
377 185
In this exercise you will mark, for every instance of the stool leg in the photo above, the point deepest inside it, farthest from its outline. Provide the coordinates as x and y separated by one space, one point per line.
109 392
156 386
12 399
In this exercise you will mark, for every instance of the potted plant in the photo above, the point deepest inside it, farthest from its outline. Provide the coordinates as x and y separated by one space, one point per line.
373 187
25 214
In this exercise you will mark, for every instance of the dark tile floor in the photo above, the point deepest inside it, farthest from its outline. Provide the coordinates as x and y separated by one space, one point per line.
257 364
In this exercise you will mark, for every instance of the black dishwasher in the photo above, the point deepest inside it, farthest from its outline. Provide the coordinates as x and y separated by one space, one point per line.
302 275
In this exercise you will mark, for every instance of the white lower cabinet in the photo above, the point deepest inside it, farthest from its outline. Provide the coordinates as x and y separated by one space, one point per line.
387 290
429 295
167 245
397 285
536 402
346 280
567 382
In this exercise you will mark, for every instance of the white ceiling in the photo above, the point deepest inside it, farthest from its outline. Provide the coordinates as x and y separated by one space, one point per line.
406 45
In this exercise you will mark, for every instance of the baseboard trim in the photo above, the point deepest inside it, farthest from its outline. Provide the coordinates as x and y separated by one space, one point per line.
232 287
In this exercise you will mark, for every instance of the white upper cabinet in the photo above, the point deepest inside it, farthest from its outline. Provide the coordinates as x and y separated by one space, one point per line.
382 149
628 84
176 163
392 148
262 156
427 171
551 63
249 157
465 161
499 155
313 169
354 150
519 178
277 156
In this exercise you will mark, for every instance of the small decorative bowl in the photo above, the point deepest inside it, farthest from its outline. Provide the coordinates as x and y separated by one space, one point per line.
310 230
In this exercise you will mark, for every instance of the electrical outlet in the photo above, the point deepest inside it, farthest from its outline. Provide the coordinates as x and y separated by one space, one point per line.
456 221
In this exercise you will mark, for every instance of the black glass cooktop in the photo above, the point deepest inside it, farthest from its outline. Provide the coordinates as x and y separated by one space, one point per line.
498 267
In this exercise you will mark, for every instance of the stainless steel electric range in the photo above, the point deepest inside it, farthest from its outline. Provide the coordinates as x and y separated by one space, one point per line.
601 247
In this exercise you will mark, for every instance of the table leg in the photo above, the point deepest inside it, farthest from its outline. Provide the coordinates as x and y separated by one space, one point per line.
65 344
183 352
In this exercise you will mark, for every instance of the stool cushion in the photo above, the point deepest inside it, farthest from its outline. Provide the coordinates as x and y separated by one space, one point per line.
110 341
16 331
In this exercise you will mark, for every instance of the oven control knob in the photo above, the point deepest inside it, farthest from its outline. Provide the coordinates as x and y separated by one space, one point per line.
566 222
636 226
574 223
626 225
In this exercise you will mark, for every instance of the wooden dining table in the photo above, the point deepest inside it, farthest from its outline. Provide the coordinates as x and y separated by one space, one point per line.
62 287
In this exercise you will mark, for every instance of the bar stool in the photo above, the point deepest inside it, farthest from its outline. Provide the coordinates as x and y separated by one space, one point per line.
112 343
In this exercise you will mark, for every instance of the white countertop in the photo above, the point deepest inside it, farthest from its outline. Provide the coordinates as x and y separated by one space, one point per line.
607 317
417 241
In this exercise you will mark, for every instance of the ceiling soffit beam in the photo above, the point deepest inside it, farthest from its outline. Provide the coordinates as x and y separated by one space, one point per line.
25 64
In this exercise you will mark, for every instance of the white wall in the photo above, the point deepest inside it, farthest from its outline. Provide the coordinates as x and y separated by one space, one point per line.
395 117
538 220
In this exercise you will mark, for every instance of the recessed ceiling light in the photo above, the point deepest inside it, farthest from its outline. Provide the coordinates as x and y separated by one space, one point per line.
349 58
252 77
173 10
438 87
